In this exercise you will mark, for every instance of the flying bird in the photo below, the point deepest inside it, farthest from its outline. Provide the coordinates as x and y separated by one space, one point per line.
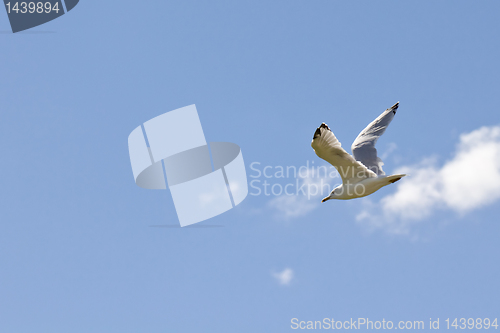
362 172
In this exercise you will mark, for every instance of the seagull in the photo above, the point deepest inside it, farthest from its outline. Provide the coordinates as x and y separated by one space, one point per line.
362 172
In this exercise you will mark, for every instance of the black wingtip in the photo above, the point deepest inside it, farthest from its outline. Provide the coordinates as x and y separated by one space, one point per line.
394 107
318 130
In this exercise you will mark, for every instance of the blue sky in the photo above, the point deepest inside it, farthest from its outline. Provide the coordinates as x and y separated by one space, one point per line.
78 252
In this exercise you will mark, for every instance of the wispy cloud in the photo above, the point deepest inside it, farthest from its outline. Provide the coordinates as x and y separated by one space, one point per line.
312 185
468 181
285 277
288 206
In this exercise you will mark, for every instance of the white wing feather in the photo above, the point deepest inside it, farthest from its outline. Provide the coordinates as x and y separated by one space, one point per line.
327 147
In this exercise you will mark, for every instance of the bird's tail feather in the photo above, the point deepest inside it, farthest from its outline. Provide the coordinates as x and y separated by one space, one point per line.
395 178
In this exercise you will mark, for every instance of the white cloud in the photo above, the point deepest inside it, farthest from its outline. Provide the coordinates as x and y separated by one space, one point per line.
311 187
470 180
285 277
290 206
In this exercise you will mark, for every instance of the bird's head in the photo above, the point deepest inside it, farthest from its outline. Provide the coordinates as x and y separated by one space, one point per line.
333 194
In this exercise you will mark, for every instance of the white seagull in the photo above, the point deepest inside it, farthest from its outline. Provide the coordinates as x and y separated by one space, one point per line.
361 173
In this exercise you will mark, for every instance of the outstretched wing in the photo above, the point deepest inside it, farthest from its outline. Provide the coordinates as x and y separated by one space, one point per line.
326 146
363 148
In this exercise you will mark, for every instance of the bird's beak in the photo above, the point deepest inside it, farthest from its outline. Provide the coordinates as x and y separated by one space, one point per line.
327 198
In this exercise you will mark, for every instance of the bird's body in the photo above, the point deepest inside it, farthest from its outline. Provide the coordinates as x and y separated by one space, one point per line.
361 173
362 188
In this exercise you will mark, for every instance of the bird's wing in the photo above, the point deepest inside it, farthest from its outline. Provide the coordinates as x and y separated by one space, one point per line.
363 148
326 146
